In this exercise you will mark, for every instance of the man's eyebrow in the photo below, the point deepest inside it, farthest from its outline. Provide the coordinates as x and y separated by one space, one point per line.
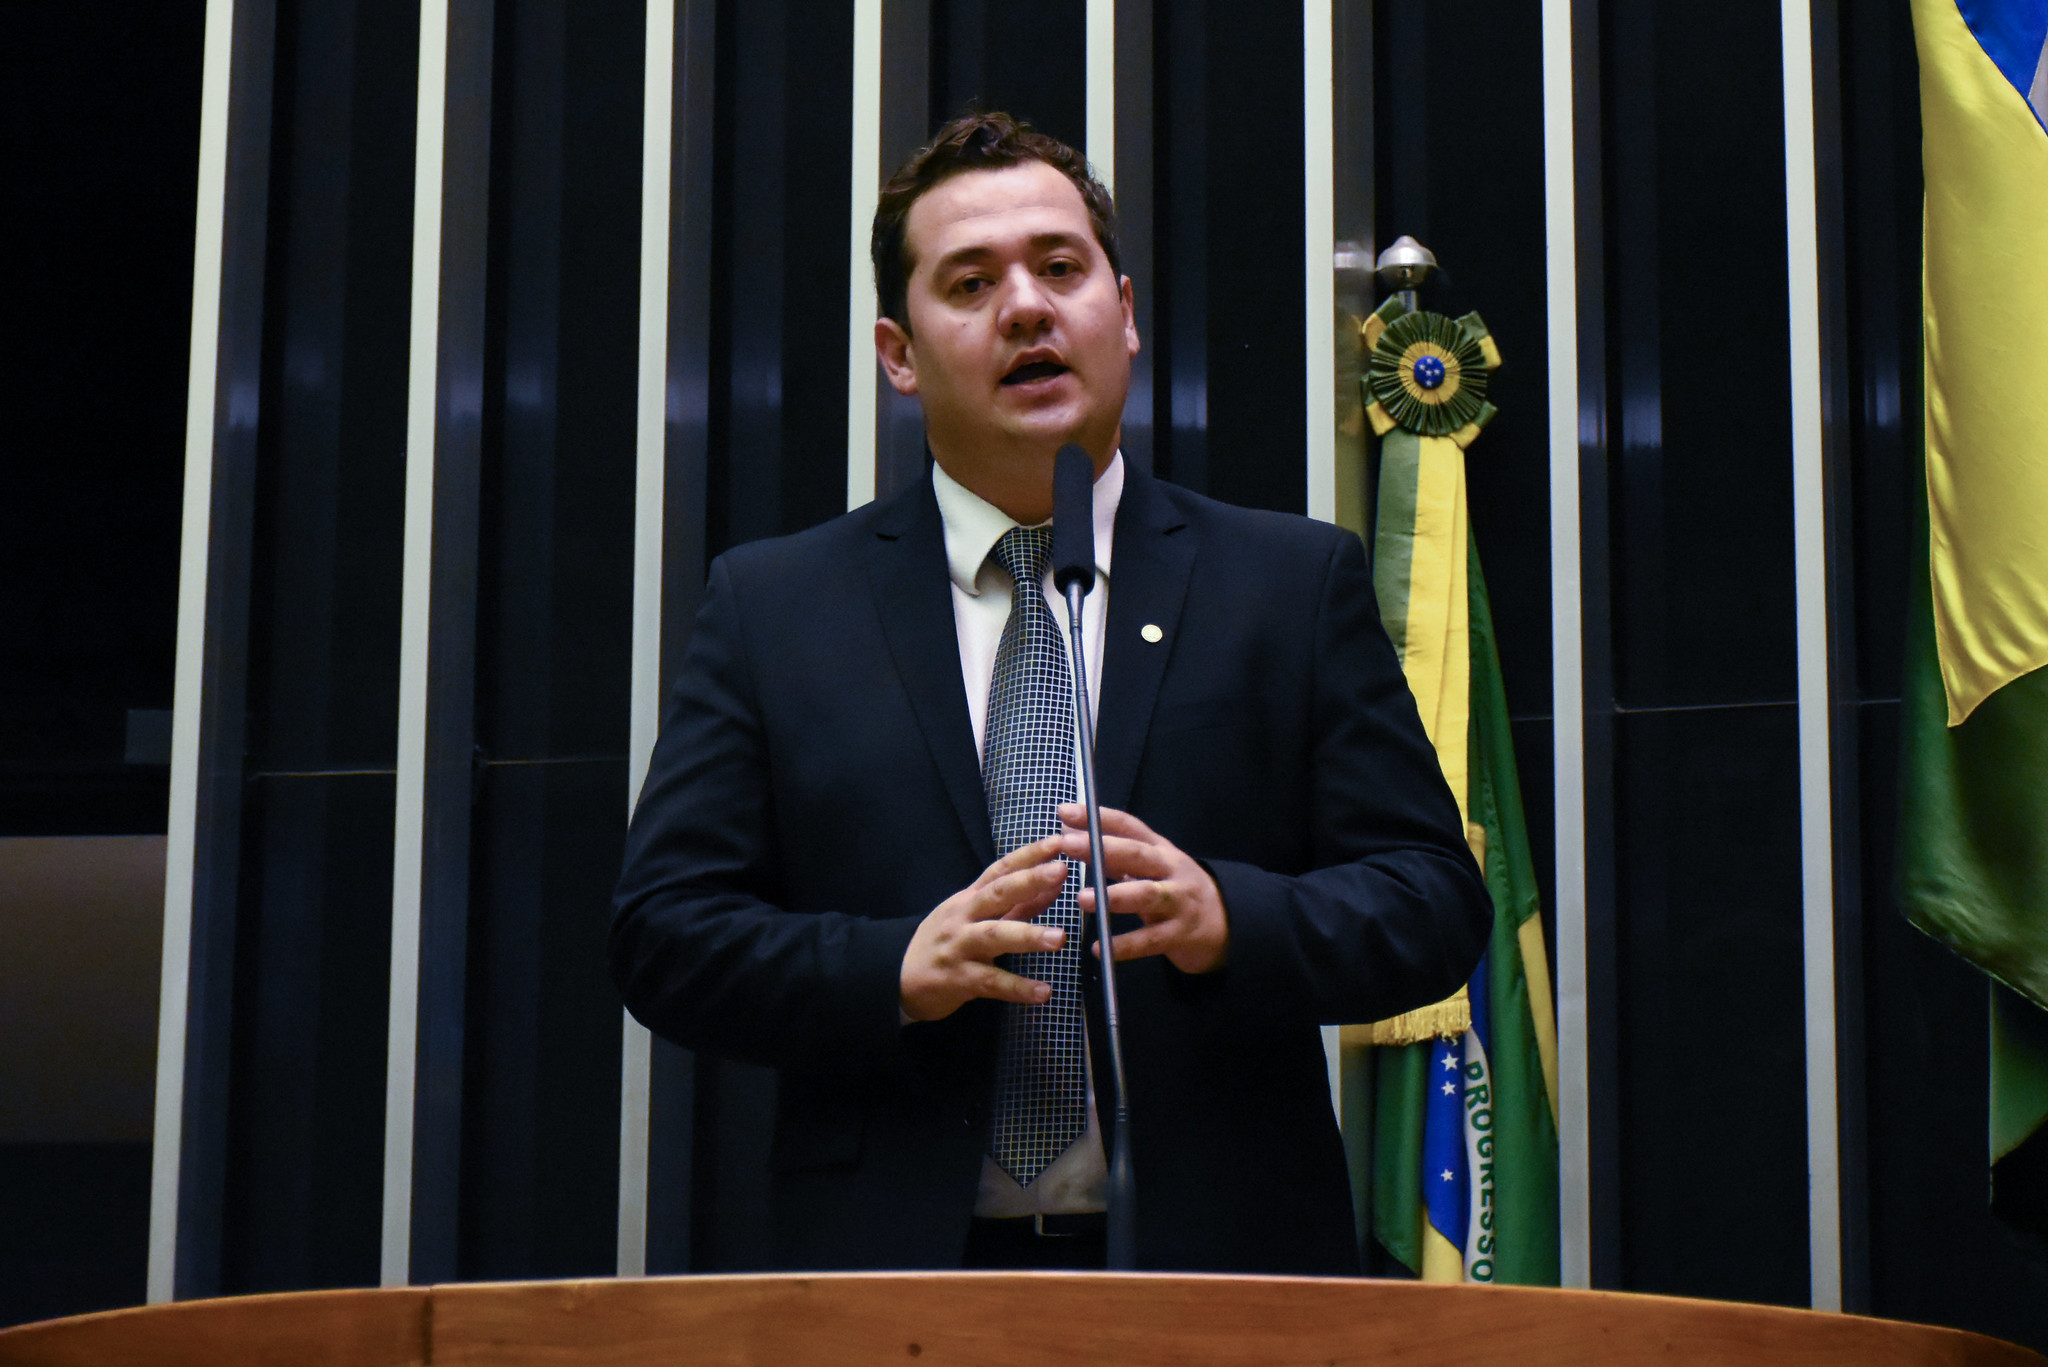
979 252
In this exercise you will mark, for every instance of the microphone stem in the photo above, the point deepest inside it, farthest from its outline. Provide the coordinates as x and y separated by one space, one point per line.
1122 1251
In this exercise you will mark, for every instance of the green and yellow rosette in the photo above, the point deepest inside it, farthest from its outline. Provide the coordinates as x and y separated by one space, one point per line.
1426 373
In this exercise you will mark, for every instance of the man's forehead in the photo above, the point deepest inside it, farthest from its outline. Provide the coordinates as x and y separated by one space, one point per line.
976 208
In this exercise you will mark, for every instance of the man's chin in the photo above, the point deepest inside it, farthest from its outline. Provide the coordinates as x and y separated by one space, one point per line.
1053 424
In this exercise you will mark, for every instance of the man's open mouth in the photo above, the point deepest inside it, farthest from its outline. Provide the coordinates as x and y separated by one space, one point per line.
1036 370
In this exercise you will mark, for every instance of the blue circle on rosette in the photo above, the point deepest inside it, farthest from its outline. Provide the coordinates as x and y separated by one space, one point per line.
1429 371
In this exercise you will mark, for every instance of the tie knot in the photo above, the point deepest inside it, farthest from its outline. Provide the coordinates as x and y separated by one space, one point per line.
1023 551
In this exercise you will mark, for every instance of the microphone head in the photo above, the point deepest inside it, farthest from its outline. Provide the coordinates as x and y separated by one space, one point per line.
1073 519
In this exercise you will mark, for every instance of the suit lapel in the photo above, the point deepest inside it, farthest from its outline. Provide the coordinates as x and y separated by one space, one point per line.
1154 555
906 565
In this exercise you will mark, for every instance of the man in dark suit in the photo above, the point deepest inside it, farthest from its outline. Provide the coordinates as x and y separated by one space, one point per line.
850 864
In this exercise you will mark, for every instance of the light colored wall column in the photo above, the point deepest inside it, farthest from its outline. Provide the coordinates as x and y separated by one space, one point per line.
416 577
1319 310
649 503
182 840
1810 612
1101 94
1319 275
1567 636
861 305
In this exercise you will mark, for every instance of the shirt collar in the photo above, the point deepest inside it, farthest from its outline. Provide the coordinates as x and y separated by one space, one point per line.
974 525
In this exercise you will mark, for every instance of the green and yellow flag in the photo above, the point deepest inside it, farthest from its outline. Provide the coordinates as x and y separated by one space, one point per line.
1450 1111
1974 817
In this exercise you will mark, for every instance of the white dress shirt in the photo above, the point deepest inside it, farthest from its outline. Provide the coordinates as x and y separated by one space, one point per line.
1077 1181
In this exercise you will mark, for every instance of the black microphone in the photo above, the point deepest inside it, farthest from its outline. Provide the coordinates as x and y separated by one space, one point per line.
1073 519
1073 574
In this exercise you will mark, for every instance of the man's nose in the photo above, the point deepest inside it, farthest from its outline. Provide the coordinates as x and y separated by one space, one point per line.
1027 306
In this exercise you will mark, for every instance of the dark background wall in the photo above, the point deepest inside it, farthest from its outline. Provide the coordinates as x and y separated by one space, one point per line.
304 1120
1699 1127
102 105
102 141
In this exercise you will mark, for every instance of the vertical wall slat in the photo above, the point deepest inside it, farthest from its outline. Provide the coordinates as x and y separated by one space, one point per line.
430 878
396 1244
866 152
649 504
672 1076
1100 85
204 824
906 115
1567 678
1132 112
1845 654
1319 274
1319 307
1596 647
1810 587
1180 341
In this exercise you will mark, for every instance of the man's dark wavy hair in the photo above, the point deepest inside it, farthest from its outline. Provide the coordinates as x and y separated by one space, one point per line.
980 141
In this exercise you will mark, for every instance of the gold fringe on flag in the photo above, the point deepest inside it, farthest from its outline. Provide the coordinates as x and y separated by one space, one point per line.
1447 1019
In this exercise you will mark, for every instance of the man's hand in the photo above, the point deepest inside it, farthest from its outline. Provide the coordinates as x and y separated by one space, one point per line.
1151 878
949 962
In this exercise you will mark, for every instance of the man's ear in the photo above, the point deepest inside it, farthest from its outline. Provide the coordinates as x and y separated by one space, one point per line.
1130 298
892 348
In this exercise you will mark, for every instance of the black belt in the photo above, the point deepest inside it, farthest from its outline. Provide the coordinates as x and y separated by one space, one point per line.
1094 1223
1044 1243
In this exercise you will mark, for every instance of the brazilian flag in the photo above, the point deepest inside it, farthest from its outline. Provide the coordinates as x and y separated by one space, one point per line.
1974 816
1450 1111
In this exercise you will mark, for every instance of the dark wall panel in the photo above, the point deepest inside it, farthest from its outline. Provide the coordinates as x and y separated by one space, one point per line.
1180 317
539 1147
102 138
541 1142
331 487
672 1070
1880 167
305 1172
782 179
1711 1187
101 134
1230 350
304 1176
1030 60
1536 762
1134 176
555 600
1703 493
1712 1031
776 463
1258 358
74 1218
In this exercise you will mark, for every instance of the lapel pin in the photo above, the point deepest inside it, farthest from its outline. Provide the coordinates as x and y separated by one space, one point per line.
1151 632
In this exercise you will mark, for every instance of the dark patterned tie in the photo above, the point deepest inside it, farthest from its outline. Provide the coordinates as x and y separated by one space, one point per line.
1027 770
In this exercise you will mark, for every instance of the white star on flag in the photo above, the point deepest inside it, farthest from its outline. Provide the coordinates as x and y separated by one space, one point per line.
1447 1174
1450 1090
1449 1062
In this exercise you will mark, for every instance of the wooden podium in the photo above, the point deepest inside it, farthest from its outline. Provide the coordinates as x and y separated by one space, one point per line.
977 1319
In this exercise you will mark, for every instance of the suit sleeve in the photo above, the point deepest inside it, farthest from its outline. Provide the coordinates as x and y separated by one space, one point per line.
700 949
1394 914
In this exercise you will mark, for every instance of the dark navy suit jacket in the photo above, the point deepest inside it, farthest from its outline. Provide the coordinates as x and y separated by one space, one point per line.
815 791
